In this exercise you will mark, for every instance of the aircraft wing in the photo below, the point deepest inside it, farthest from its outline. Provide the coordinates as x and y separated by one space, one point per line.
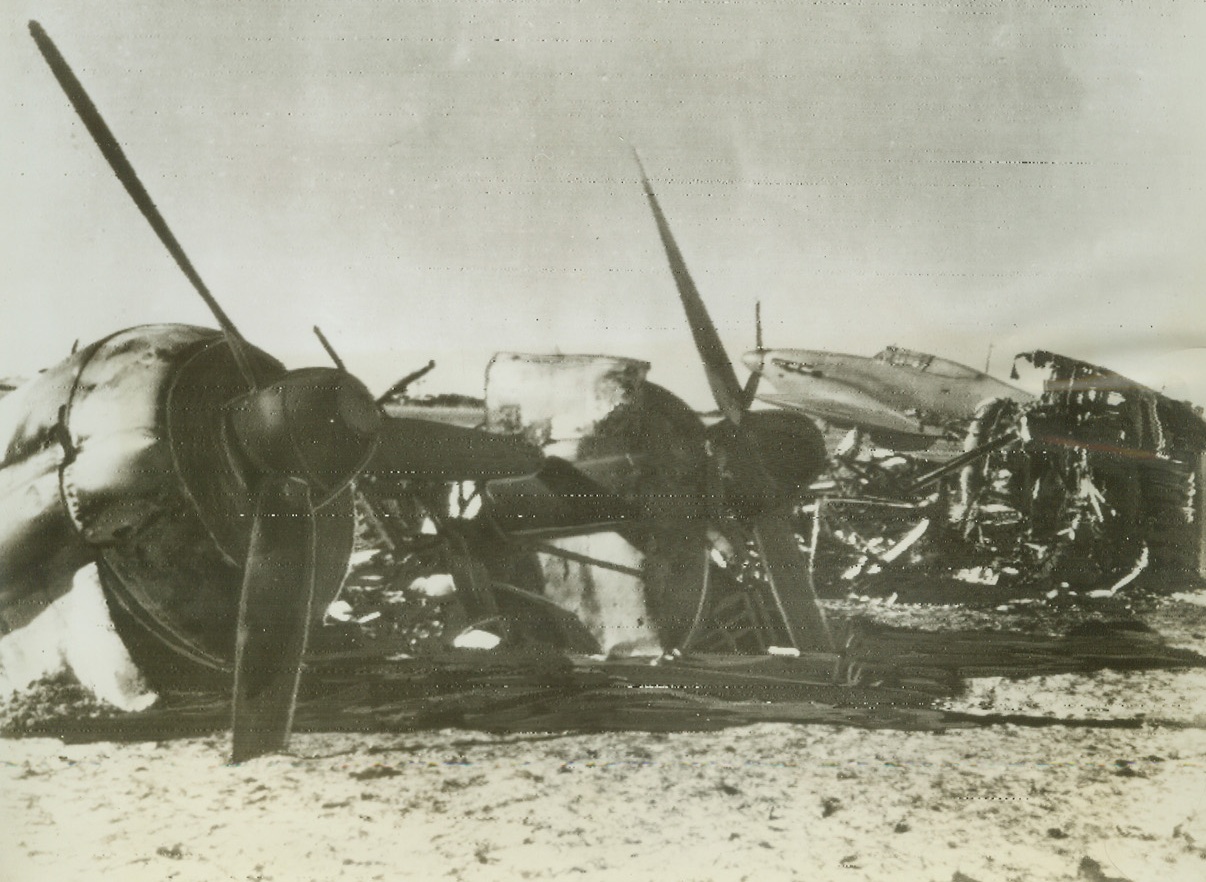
840 414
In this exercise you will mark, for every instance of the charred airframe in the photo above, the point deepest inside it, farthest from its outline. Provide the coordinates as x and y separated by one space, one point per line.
213 489
1089 487
635 484
1084 488
210 486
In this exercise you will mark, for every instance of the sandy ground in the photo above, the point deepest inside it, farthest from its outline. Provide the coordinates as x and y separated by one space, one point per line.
761 803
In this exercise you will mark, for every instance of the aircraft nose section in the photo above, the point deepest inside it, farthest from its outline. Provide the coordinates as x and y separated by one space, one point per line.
754 360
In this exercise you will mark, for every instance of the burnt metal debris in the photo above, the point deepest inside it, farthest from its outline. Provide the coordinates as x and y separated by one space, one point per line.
1092 487
1085 490
599 515
884 678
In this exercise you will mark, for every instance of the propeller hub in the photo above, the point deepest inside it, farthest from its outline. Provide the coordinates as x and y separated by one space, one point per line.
356 408
319 425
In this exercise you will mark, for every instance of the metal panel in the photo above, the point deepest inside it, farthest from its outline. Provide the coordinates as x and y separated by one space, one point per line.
557 400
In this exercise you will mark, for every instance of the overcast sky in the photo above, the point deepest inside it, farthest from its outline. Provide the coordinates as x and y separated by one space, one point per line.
448 179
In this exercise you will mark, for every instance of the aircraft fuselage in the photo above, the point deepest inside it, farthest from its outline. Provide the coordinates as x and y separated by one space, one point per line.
897 391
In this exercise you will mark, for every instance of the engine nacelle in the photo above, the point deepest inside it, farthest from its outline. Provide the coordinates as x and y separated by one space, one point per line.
121 454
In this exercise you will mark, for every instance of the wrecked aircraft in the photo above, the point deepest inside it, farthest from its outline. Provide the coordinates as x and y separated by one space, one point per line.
1091 487
884 510
636 498
905 400
217 514
207 485
204 494
1103 487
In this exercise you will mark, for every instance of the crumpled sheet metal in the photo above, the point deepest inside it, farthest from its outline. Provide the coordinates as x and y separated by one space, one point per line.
1161 425
556 400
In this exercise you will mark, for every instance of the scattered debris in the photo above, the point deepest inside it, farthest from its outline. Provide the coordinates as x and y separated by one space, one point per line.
1086 491
46 701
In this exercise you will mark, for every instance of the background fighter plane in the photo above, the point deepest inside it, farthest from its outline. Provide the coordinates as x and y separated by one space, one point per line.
905 400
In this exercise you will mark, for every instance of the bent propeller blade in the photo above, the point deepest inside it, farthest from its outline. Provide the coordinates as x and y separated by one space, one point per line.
787 573
109 147
274 618
722 379
750 392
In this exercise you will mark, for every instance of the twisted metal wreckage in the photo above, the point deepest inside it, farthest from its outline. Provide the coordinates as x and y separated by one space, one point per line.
1088 488
1085 489
193 505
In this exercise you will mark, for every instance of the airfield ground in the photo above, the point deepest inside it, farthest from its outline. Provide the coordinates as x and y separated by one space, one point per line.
761 803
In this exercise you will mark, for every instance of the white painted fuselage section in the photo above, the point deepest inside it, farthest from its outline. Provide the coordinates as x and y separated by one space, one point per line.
898 390
75 634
